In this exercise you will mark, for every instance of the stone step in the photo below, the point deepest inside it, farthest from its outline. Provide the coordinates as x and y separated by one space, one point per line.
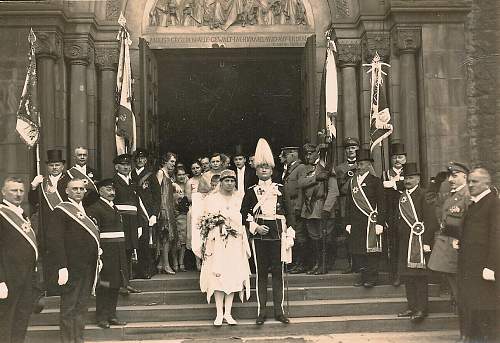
303 308
177 297
299 326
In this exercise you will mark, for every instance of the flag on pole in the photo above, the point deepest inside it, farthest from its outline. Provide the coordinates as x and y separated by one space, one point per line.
331 90
125 120
28 117
380 117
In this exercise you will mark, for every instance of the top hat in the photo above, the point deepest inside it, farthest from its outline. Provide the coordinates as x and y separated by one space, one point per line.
457 167
410 168
363 155
238 151
122 159
54 156
104 183
140 152
227 173
397 149
350 141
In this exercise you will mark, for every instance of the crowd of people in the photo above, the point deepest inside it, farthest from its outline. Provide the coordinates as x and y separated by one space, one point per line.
245 214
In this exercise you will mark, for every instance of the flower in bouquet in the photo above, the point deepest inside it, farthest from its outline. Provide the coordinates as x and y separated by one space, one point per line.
212 221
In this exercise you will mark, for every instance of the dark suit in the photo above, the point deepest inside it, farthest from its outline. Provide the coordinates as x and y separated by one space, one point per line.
148 190
249 178
17 266
479 248
114 273
91 196
71 246
415 279
368 262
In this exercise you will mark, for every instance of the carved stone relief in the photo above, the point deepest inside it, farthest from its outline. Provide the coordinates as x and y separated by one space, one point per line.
77 51
342 8
349 52
376 42
107 57
408 38
48 44
113 8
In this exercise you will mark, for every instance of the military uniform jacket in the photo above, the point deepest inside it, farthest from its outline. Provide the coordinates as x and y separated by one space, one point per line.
453 208
343 177
317 196
425 214
126 195
372 186
17 257
114 271
292 192
479 248
148 190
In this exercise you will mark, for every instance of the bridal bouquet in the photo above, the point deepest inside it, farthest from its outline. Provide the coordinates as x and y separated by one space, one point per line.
213 221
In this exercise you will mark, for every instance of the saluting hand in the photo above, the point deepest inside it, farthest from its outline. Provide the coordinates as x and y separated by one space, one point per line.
4 291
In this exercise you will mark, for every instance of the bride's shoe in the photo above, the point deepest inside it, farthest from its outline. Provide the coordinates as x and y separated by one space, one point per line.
169 270
230 320
218 321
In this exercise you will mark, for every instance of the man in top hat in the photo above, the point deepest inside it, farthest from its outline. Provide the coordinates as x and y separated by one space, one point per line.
293 202
45 194
263 214
82 171
73 252
114 273
245 176
18 256
365 217
393 186
319 191
344 172
453 206
149 193
127 202
479 261
416 223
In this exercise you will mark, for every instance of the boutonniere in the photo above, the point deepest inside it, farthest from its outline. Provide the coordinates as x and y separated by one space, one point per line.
80 215
145 185
26 226
90 175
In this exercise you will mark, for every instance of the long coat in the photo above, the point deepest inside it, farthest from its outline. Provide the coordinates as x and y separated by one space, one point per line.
292 192
126 195
479 248
114 271
426 214
148 189
374 191
341 171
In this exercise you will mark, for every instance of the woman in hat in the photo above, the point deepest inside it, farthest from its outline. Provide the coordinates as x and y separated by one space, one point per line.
225 249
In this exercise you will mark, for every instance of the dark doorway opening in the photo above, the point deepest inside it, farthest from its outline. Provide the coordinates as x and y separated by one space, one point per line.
214 99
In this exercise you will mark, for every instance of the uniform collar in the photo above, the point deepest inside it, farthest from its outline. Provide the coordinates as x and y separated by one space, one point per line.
480 196
125 178
458 189
138 171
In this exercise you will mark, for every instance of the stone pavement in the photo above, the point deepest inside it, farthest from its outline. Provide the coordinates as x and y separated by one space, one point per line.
386 337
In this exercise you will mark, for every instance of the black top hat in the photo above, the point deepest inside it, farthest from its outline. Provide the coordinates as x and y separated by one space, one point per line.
397 149
410 168
140 152
105 183
350 141
238 151
55 156
364 155
123 159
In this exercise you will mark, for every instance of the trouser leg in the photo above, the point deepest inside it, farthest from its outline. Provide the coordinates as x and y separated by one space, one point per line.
372 262
23 312
261 257
112 302
143 254
422 292
101 303
411 293
361 261
82 303
277 275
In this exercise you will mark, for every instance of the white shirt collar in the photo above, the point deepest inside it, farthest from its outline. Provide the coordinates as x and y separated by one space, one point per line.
480 196
362 178
110 203
79 205
397 171
241 170
125 178
54 179
411 190
83 168
457 189
139 170
17 209
351 161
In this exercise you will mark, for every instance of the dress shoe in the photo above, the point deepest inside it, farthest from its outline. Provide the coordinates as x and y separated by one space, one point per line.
369 284
418 316
218 321
103 324
313 270
298 270
133 290
123 291
230 320
407 313
321 271
260 320
282 318
358 283
115 321
396 282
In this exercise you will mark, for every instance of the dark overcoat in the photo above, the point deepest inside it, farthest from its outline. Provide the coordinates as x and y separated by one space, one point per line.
126 195
372 186
479 249
148 189
114 271
426 214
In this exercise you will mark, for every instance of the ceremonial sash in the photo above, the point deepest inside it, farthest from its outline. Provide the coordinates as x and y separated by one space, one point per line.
50 193
373 241
76 173
85 222
20 224
415 257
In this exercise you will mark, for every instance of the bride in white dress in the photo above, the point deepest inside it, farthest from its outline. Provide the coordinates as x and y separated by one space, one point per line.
225 268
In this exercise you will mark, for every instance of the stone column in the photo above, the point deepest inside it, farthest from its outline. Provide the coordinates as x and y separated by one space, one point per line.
77 53
408 42
349 55
92 108
106 60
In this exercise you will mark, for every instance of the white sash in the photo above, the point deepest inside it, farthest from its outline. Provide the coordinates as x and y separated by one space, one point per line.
417 229
20 224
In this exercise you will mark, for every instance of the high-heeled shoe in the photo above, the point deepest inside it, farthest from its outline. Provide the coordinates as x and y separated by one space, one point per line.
218 321
230 320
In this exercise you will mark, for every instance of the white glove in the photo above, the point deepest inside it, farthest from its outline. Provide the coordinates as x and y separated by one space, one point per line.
99 265
389 184
152 220
427 248
63 276
348 228
4 291
488 274
379 229
36 181
139 232
455 244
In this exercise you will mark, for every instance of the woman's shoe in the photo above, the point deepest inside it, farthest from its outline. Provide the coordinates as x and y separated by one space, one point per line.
230 320
169 270
218 321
